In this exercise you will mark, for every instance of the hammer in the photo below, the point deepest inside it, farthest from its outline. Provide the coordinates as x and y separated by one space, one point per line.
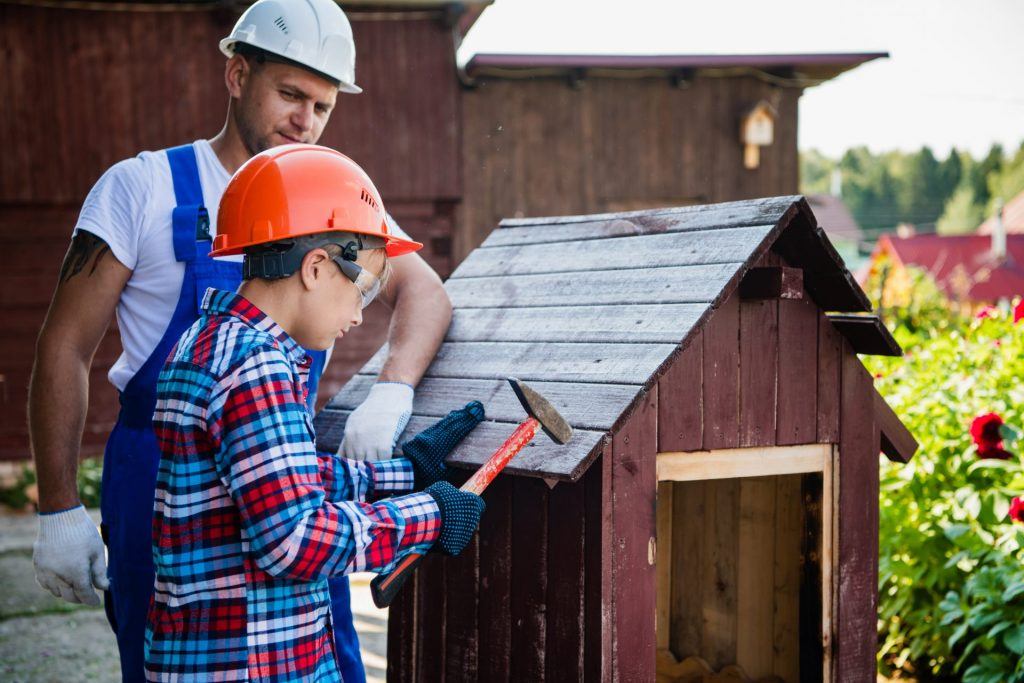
542 415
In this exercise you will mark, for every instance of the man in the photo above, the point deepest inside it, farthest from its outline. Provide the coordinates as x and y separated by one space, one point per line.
140 250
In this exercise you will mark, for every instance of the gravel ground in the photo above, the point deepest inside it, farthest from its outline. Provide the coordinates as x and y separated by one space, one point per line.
44 640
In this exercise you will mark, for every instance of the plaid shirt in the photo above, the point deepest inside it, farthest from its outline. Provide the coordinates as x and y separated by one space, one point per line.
250 520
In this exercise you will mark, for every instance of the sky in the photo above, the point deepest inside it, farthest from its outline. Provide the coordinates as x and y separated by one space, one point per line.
954 78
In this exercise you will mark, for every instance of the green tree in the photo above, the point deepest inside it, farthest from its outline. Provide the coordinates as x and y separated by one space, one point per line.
1007 182
963 214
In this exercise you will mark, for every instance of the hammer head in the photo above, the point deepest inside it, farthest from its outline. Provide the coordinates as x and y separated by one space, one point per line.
538 407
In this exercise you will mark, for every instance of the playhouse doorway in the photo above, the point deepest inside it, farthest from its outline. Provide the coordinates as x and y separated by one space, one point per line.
745 564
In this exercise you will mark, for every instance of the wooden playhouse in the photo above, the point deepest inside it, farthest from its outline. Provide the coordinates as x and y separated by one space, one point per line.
715 516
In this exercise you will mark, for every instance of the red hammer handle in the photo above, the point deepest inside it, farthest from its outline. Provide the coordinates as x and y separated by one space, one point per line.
482 478
384 588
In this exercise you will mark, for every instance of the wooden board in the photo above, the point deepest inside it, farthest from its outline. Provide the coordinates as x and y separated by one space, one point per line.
566 583
584 407
811 587
721 377
755 590
732 463
461 588
681 414
830 347
632 323
788 536
719 573
857 538
598 539
633 492
529 578
798 372
495 591
759 350
720 245
670 285
599 363
541 458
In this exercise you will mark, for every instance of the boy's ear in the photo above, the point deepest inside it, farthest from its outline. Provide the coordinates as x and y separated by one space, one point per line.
312 270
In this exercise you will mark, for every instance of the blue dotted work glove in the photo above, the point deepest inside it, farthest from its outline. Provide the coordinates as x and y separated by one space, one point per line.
460 516
428 449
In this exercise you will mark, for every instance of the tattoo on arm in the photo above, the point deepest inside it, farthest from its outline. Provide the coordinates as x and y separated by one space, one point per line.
85 248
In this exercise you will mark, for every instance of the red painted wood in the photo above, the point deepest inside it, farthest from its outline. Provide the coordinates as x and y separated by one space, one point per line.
461 605
402 634
634 489
565 600
830 347
495 593
857 539
430 618
529 578
681 419
798 367
759 350
597 640
721 380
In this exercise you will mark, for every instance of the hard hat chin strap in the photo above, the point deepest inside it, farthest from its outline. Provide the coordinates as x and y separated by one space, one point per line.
281 259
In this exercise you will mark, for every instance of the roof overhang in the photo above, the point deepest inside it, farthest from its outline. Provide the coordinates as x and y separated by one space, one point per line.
811 67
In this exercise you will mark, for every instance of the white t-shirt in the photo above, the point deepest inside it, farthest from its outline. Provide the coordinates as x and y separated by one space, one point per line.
130 208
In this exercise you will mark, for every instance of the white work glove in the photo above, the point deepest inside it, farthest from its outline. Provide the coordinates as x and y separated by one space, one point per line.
374 427
69 557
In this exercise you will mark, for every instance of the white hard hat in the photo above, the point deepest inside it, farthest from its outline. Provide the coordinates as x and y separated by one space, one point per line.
314 34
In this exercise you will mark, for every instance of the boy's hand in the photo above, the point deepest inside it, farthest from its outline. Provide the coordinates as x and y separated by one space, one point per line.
374 427
428 449
460 516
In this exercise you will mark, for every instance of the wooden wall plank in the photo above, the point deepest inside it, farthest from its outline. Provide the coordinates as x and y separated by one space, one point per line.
430 618
529 578
787 537
495 593
566 583
721 378
830 346
681 414
597 544
690 518
402 634
759 350
858 525
798 367
719 589
664 563
682 248
811 590
634 490
461 606
755 568
671 285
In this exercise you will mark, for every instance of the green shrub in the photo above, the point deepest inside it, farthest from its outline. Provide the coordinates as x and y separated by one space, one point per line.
950 558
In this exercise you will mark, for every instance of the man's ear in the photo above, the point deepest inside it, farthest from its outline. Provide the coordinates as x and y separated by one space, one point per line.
312 271
236 73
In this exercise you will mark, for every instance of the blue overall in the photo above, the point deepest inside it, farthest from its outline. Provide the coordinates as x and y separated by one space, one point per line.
132 455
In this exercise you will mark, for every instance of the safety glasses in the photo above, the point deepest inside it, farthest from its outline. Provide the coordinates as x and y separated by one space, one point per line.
366 282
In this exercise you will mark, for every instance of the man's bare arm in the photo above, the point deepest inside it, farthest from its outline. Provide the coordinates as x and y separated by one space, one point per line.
421 314
90 284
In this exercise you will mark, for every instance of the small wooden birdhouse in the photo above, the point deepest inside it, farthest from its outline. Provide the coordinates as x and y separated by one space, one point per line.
716 512
757 130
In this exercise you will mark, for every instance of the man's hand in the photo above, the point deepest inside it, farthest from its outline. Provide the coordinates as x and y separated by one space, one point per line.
374 427
429 449
68 556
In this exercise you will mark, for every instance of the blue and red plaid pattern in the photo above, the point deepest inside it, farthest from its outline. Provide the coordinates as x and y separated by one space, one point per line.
250 520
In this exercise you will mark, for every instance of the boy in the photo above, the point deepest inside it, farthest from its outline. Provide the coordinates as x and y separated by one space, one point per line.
250 521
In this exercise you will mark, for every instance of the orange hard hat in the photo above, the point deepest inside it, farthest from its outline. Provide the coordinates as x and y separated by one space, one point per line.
296 190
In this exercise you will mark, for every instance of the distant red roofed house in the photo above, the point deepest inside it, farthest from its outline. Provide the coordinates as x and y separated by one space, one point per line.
963 266
1013 218
835 218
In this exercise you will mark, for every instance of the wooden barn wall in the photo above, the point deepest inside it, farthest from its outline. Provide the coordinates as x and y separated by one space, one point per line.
543 148
111 91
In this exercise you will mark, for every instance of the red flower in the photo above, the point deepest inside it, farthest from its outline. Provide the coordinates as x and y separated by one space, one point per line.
986 312
1017 509
1018 311
994 452
985 430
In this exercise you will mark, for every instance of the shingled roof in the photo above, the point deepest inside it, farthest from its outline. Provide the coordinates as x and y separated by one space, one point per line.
590 310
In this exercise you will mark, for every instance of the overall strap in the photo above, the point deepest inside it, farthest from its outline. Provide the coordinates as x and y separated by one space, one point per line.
190 220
